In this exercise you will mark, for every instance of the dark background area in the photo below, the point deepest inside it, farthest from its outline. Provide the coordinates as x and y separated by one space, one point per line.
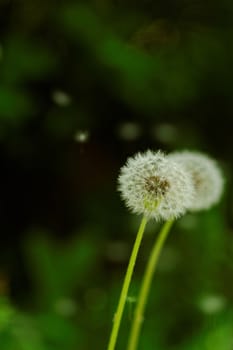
84 85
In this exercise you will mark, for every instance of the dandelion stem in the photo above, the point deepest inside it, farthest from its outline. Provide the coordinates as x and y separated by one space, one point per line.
145 287
125 287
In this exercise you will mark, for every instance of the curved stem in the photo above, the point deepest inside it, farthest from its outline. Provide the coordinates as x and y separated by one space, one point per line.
146 283
125 287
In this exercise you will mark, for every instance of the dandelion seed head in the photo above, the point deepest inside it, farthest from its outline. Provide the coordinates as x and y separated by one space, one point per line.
129 131
155 186
206 175
166 133
65 307
61 98
211 304
81 136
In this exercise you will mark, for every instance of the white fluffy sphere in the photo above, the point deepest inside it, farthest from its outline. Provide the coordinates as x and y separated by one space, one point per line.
207 178
153 185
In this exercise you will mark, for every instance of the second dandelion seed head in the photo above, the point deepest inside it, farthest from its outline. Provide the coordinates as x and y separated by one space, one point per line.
155 186
206 176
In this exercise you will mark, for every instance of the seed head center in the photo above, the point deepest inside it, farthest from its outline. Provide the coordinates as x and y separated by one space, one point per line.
156 185
197 180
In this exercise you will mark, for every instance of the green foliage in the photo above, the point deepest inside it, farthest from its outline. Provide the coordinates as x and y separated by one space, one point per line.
216 336
15 106
45 331
25 61
164 67
58 269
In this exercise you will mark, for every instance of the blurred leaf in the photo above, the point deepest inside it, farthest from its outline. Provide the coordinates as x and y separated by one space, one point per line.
24 60
56 269
58 333
216 337
15 105
80 22
6 314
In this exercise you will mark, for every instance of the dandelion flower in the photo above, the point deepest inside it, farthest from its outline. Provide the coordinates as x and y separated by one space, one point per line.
156 186
207 178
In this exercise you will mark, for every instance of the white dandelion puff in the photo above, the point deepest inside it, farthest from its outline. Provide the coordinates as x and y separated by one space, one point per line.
61 98
153 185
207 178
211 304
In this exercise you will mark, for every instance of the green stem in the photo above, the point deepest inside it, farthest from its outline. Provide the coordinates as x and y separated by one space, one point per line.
146 283
125 287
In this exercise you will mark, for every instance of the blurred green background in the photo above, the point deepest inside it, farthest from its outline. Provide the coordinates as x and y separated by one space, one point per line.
84 85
